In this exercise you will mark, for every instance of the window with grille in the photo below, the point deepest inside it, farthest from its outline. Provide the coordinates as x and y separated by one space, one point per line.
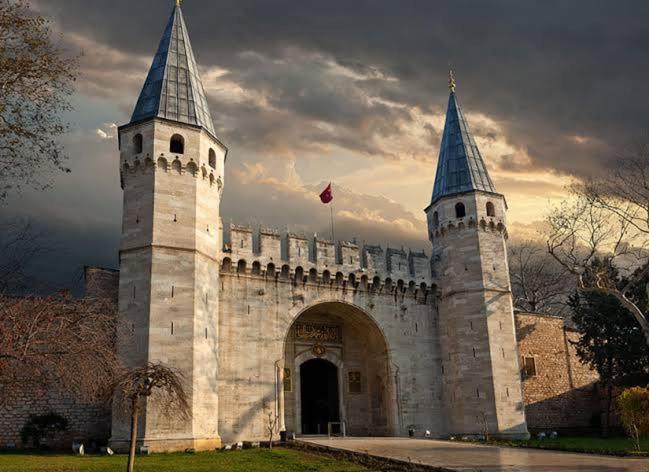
287 380
354 382
529 367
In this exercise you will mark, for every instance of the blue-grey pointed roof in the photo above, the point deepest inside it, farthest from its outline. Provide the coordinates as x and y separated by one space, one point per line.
460 167
173 89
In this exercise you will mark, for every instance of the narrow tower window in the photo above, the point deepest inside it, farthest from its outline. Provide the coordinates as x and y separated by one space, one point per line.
177 144
460 211
435 220
490 209
137 143
212 159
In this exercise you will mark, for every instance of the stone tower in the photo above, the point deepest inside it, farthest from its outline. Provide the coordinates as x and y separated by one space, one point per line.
171 167
468 230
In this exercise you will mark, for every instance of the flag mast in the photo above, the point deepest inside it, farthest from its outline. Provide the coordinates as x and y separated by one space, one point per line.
326 197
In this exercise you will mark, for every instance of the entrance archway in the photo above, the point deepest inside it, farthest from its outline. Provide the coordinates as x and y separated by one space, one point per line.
319 395
338 346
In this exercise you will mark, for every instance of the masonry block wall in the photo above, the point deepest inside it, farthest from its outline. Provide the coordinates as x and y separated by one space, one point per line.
561 394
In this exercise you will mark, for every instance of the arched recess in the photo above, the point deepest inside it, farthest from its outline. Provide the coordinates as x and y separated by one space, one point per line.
347 336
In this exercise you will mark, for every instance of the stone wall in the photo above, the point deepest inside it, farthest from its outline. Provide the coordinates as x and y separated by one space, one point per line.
87 421
562 395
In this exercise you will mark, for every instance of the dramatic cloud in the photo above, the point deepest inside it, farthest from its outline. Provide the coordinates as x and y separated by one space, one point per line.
304 93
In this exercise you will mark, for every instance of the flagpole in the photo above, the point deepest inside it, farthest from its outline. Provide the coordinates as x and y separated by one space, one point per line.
333 238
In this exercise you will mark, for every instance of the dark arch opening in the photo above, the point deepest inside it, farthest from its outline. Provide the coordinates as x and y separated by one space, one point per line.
326 277
313 275
319 395
460 211
256 268
177 144
137 144
227 265
286 270
270 270
435 220
491 211
212 159
241 267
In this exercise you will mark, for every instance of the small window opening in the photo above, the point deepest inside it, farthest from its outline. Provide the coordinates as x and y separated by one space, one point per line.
177 144
490 209
460 211
529 367
435 220
212 159
137 144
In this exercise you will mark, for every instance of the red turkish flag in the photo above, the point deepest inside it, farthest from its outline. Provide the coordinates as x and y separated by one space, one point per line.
326 196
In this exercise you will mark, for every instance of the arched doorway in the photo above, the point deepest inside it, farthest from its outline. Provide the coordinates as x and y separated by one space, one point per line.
337 347
319 395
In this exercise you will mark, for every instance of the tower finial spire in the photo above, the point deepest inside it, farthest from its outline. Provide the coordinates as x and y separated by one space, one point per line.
178 2
451 80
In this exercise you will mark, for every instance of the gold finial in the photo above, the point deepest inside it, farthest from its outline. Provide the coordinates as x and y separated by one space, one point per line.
451 80
178 2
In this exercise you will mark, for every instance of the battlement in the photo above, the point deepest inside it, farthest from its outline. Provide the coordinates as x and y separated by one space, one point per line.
485 224
267 251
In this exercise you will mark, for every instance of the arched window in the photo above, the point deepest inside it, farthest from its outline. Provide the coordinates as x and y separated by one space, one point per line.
376 283
313 275
212 159
352 280
227 265
177 144
285 272
176 166
270 270
299 274
363 283
256 268
460 211
491 211
339 278
326 277
137 143
241 267
435 220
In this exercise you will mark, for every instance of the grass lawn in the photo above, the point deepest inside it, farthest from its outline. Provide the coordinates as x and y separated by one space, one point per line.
616 446
250 460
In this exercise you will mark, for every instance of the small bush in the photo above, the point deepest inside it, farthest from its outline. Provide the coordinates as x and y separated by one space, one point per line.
41 426
633 405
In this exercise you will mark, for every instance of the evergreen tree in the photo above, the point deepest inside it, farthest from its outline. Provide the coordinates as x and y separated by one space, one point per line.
611 342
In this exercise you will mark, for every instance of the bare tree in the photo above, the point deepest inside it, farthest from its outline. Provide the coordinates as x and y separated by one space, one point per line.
20 244
608 219
57 342
271 427
539 283
36 82
137 384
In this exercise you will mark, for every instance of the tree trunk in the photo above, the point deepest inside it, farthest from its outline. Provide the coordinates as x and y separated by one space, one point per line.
607 416
131 451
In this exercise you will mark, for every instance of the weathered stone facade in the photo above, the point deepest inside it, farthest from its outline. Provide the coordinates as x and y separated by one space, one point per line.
562 392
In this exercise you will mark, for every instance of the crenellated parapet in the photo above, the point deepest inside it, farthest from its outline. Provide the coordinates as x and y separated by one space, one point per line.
292 256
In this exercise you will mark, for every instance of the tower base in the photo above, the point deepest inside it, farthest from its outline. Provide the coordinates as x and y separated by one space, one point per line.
168 445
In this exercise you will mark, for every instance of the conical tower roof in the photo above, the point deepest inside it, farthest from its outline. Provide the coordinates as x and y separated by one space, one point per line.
173 89
460 167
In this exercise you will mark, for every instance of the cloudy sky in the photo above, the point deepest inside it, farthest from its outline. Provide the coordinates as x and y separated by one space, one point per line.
352 92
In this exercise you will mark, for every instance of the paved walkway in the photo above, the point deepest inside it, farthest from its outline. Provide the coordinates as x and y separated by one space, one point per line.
474 457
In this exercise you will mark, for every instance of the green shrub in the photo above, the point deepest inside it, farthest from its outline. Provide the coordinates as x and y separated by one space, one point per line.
41 426
633 405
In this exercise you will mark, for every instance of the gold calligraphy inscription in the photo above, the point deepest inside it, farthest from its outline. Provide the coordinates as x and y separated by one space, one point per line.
318 332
